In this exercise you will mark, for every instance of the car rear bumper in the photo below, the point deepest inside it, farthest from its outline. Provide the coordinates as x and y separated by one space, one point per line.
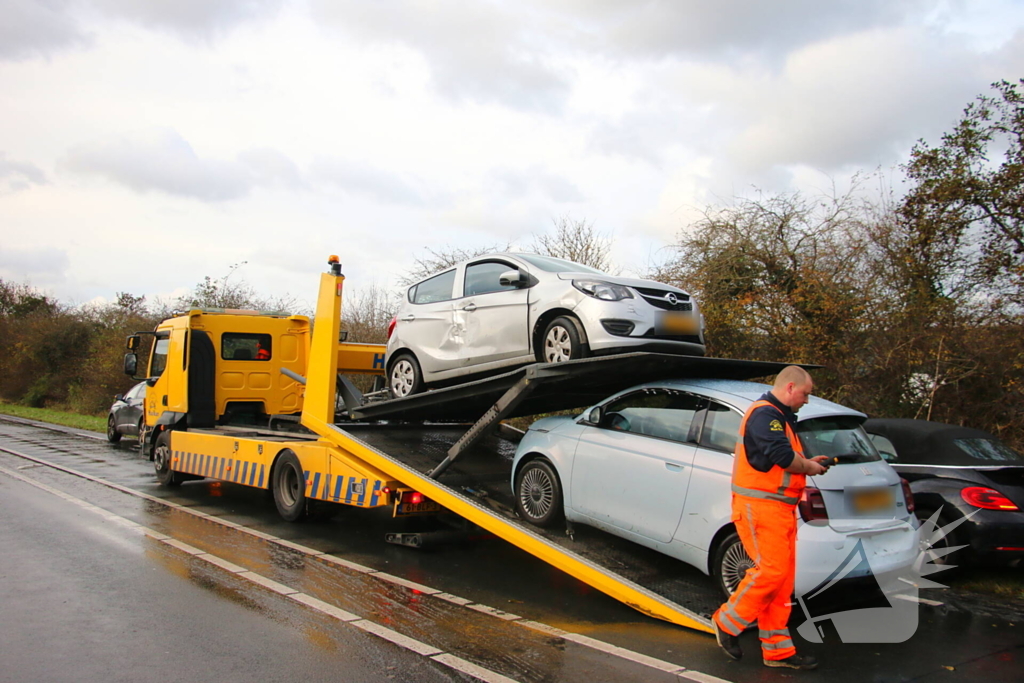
824 554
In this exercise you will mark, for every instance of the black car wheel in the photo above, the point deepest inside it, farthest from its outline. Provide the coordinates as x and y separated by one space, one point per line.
539 494
561 341
113 436
731 564
951 538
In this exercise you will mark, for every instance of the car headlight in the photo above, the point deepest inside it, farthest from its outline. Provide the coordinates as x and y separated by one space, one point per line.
605 291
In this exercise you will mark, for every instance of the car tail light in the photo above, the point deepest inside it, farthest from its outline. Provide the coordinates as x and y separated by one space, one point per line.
412 497
391 326
908 495
812 506
986 498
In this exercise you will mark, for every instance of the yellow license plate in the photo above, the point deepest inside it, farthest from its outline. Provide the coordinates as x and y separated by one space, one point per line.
427 507
872 501
677 323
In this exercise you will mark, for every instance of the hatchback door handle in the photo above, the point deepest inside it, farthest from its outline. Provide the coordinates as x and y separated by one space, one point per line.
409 318
469 307
674 467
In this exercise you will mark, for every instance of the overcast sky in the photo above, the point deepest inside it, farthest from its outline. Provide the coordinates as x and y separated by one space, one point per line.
147 143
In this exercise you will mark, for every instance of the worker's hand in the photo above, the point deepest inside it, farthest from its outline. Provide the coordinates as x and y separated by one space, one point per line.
825 460
814 466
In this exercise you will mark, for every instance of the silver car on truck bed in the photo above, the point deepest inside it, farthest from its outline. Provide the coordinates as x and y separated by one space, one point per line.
498 311
653 464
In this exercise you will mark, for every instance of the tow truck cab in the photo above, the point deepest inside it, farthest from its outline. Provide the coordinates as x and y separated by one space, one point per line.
210 367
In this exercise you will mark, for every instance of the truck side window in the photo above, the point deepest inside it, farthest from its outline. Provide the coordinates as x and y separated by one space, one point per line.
721 428
245 346
437 288
159 360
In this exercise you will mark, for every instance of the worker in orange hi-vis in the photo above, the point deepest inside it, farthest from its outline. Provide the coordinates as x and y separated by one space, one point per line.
767 480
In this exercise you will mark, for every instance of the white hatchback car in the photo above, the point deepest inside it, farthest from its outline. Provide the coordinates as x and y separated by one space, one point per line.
498 311
653 464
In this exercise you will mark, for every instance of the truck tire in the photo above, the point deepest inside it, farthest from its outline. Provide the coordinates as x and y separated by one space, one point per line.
405 377
289 485
113 436
561 341
731 563
539 494
162 462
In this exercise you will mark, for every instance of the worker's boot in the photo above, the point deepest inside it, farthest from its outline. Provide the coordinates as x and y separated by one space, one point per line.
804 662
730 644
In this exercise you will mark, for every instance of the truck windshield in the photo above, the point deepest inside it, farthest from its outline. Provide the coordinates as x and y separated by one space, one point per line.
838 436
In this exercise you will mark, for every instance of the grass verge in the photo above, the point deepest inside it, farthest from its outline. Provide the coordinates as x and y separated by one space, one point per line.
60 417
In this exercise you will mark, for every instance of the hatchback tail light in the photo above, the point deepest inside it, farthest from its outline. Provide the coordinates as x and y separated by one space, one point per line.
391 326
986 498
908 495
812 506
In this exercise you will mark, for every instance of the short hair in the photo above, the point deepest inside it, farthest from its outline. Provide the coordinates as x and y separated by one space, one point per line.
792 373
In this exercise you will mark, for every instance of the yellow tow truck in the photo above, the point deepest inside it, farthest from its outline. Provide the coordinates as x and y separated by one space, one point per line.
250 398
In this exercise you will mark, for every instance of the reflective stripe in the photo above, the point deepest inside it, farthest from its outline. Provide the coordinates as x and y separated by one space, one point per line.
778 632
734 623
766 495
781 645
785 480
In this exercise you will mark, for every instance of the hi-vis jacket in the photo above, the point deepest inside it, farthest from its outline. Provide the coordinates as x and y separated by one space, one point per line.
775 484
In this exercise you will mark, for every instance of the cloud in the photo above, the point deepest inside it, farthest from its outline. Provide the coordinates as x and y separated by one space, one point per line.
370 181
477 51
161 160
521 183
30 28
19 175
190 19
42 266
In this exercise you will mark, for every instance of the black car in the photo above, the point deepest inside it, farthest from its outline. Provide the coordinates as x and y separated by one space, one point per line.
962 471
127 415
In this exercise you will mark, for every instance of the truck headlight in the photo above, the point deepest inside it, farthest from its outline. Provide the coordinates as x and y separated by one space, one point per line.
605 291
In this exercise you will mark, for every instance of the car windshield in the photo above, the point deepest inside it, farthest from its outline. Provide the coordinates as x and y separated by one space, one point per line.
989 449
838 436
557 265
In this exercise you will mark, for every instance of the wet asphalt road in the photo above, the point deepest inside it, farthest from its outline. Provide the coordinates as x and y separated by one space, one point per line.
84 598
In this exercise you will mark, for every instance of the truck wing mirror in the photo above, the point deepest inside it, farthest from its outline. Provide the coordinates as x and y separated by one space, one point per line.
131 364
133 343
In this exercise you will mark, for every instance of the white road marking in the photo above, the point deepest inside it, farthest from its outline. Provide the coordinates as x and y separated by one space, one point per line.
601 646
911 598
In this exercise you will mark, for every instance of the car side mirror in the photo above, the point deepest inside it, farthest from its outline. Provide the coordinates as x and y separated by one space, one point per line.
118 397
594 417
512 278
131 364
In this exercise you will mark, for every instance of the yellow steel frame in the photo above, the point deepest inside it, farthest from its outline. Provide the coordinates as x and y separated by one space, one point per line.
318 416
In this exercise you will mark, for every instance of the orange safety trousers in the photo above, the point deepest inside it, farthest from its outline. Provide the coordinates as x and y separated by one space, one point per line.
767 529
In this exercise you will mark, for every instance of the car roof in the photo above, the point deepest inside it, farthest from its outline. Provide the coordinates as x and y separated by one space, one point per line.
741 394
931 443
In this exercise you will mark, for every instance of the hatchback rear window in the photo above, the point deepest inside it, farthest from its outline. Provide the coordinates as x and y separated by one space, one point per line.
437 288
840 436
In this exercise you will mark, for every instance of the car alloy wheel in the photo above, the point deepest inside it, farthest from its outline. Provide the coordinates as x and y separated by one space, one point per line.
734 566
539 493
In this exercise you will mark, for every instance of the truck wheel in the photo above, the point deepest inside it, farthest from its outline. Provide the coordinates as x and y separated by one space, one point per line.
405 377
731 564
289 484
162 462
561 341
539 494
113 436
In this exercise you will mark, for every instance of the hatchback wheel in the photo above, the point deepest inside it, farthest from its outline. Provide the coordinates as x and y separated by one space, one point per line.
405 377
731 564
561 341
539 494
